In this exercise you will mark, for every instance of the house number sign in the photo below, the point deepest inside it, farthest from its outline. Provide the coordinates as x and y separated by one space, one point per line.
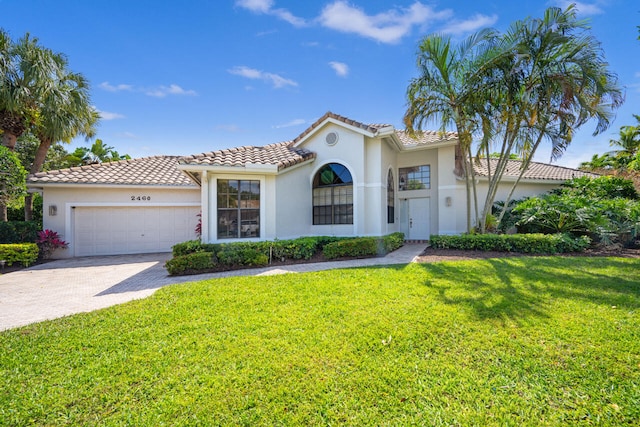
143 198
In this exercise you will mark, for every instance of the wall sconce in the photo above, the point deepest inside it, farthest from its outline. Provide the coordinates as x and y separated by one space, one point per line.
53 210
447 201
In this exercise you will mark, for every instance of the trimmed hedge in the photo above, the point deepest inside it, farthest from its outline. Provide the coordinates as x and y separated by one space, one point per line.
363 246
523 243
194 257
24 253
191 263
19 231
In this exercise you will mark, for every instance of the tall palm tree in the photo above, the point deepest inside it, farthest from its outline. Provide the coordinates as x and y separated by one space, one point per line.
65 112
446 92
552 78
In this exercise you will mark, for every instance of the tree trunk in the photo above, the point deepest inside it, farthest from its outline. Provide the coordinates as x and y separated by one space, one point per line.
3 212
38 162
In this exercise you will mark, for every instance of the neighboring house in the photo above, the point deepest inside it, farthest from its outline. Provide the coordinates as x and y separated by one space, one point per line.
339 177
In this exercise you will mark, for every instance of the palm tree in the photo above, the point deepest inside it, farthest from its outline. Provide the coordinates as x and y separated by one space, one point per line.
65 112
628 142
598 163
446 91
98 153
552 79
25 67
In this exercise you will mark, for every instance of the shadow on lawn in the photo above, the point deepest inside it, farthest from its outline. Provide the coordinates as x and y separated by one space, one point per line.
517 288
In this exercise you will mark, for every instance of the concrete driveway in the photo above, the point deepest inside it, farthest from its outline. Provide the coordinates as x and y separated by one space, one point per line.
64 287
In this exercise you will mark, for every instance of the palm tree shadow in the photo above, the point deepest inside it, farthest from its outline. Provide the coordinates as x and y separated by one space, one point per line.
515 289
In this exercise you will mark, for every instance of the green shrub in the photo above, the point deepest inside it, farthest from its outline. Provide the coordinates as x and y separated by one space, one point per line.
196 262
19 231
193 246
523 243
24 253
241 254
393 241
360 246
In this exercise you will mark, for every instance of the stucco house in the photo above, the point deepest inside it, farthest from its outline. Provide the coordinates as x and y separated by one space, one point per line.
338 177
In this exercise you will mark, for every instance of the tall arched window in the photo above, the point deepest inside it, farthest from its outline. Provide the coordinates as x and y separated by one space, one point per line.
332 195
390 199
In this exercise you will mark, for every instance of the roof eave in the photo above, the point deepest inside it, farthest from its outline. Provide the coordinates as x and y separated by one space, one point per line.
39 185
248 169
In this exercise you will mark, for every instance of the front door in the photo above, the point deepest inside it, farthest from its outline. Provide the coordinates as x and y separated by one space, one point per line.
418 219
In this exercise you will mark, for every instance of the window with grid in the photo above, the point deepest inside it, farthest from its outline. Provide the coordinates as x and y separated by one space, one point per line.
332 195
238 208
390 199
415 178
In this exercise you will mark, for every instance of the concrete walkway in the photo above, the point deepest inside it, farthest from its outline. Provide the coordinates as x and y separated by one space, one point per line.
64 287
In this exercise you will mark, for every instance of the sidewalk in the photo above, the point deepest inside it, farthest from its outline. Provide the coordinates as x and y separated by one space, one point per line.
64 287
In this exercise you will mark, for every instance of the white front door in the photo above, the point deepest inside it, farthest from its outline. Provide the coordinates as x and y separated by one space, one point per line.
418 219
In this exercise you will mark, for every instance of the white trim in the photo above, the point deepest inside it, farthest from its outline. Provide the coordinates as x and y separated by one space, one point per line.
204 207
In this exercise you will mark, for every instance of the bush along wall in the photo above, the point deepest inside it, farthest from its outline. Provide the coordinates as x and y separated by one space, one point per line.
522 243
24 253
194 257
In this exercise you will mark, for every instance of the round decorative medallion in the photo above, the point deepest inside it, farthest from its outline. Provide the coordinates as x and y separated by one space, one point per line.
331 138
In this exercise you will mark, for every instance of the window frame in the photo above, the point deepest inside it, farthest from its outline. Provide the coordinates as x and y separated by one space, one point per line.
240 211
405 175
332 212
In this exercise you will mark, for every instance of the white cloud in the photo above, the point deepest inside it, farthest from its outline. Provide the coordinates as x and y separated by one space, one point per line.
251 73
256 6
106 115
117 88
172 89
158 92
387 27
587 9
266 7
295 122
340 68
470 25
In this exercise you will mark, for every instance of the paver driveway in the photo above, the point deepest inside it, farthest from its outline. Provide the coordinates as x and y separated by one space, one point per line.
64 287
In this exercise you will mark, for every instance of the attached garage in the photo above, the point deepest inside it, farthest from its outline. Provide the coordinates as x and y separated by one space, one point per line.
131 230
128 207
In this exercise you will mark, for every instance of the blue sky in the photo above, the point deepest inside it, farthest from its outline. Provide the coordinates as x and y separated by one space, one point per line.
187 77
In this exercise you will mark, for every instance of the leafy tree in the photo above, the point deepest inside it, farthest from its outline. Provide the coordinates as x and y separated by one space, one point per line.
27 146
12 180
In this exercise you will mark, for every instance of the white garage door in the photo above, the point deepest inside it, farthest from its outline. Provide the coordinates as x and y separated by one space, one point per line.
132 230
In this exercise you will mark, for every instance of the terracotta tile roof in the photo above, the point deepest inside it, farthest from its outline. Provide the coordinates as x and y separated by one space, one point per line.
372 128
157 170
282 154
539 171
425 137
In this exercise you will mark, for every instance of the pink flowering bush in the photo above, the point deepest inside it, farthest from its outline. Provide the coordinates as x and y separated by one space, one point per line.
48 241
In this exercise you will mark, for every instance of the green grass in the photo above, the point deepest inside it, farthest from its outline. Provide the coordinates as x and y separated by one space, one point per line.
518 341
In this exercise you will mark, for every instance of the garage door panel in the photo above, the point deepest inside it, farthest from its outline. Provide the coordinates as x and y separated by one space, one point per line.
129 230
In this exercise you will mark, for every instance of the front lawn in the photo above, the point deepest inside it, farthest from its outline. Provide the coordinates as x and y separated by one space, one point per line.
518 341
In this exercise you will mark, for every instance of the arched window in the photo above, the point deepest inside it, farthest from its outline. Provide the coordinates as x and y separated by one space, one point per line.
390 199
332 195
